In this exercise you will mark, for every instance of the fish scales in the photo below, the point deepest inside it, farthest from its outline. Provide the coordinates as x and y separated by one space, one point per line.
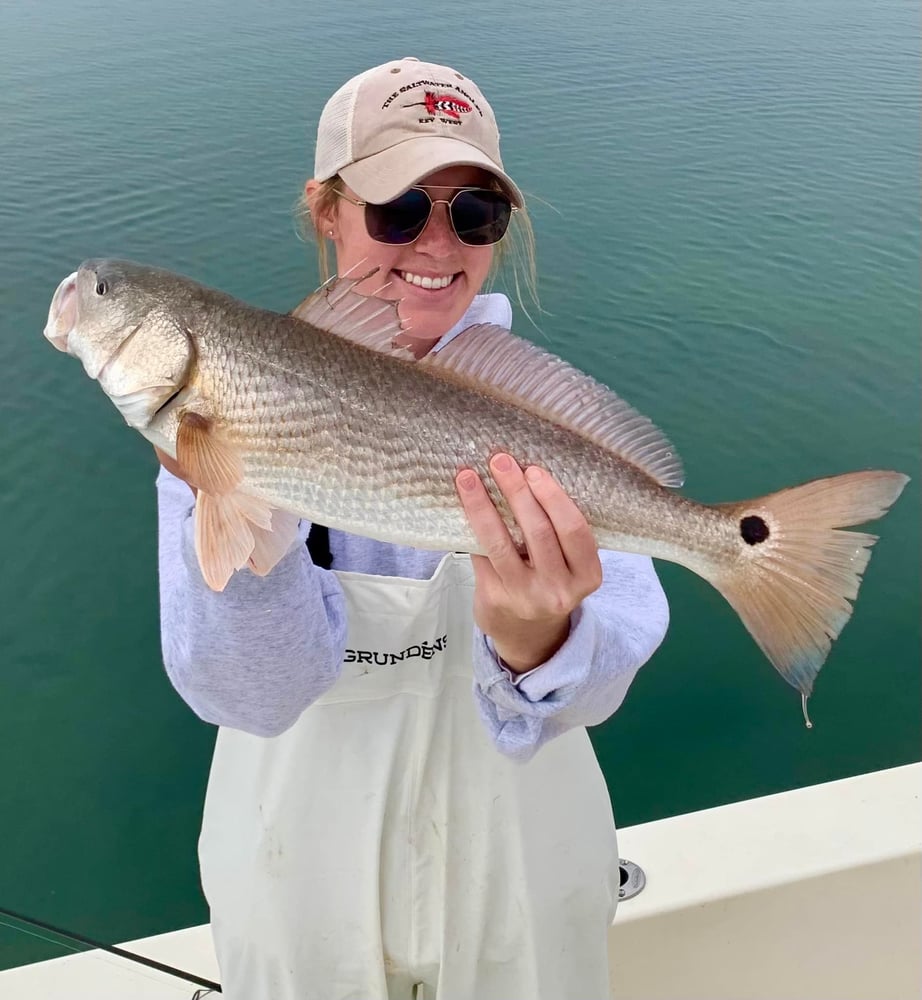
390 436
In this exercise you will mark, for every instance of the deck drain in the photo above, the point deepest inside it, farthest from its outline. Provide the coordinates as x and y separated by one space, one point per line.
632 879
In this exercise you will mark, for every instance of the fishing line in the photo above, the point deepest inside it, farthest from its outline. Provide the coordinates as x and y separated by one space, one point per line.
110 948
41 937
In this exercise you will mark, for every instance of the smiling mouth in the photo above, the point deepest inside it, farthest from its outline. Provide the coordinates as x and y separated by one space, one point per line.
421 281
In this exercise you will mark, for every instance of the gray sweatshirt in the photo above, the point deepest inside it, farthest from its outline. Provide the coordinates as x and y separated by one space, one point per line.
255 656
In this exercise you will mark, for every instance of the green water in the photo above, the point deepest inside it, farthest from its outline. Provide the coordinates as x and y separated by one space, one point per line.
725 196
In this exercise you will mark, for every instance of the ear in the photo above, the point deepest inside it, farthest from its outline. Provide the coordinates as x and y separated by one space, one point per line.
324 218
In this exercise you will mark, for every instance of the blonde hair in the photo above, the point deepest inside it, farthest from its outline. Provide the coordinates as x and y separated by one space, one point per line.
310 225
517 248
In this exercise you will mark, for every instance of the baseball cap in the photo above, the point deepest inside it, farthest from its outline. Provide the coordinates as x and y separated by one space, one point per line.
387 128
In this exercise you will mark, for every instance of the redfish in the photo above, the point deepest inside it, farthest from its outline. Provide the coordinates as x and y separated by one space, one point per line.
320 415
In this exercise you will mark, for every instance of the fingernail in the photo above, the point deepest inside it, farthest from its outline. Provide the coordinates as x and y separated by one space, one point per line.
467 480
533 473
502 463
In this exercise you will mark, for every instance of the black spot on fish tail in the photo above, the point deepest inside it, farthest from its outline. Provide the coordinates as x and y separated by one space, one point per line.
753 529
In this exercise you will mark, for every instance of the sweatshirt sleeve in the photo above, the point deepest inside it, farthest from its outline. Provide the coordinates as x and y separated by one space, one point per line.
612 634
256 655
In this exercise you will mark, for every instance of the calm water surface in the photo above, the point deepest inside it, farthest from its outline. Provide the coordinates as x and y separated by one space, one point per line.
725 198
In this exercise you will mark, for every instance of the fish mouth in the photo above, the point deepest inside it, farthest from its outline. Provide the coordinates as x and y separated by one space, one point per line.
62 315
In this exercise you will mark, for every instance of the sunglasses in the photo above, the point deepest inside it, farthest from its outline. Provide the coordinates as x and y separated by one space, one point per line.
479 217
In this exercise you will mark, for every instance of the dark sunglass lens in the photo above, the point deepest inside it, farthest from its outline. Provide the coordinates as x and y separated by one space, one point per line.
480 218
398 221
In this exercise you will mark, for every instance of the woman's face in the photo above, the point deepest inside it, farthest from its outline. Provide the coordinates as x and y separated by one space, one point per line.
427 312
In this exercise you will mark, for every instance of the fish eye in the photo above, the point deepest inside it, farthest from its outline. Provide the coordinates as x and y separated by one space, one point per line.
102 286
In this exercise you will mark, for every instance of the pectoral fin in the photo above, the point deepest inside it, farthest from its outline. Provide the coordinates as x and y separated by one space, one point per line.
211 464
232 528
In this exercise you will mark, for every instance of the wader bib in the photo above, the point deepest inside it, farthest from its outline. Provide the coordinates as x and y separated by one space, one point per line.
383 849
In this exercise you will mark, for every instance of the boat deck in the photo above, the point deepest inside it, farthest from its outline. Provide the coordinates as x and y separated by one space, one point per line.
810 893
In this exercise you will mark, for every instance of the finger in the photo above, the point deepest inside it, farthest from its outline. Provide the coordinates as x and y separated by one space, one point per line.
488 526
544 550
485 576
574 535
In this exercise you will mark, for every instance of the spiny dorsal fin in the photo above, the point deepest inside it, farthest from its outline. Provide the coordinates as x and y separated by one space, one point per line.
540 382
364 319
511 368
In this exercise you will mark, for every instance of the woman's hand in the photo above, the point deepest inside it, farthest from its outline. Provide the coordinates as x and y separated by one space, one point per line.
524 603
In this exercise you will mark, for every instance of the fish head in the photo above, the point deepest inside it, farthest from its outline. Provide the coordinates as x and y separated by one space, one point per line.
121 320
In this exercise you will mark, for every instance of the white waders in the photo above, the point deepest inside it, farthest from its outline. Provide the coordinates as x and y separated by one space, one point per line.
383 842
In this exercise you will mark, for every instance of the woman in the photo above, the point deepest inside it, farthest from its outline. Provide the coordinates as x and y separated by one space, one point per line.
404 801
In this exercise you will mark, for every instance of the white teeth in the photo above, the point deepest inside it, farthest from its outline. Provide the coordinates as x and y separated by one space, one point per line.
415 279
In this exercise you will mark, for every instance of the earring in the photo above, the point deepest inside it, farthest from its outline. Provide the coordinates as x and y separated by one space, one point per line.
330 233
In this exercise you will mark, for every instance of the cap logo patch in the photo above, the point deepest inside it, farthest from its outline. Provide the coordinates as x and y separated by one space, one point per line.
443 101
443 104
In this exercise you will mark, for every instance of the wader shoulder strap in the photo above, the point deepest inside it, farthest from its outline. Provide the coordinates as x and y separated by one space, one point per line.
318 545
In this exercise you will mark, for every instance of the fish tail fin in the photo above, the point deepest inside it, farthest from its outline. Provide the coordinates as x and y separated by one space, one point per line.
797 572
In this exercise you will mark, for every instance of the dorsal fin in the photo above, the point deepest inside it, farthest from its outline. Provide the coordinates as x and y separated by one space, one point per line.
364 319
540 382
509 367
